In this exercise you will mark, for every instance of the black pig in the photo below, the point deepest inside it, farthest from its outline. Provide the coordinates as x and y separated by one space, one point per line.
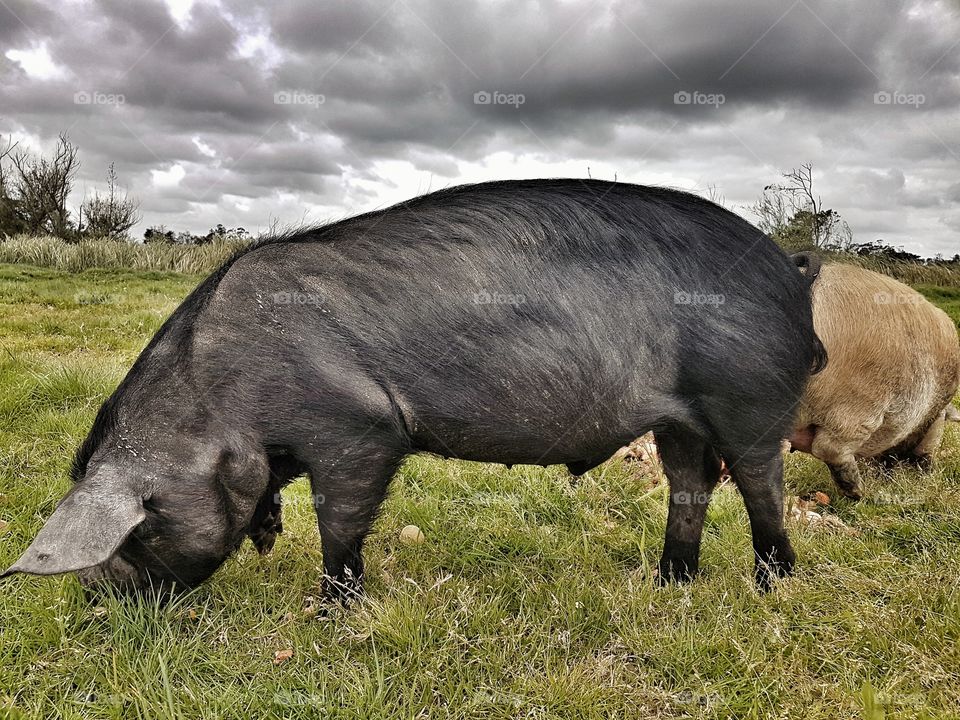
540 321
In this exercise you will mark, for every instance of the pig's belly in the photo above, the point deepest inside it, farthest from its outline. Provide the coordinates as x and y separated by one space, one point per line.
567 434
892 433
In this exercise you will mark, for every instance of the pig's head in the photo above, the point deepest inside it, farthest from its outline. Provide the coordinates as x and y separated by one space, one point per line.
152 516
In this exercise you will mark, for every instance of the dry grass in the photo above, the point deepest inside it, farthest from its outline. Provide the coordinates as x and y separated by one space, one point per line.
51 252
906 272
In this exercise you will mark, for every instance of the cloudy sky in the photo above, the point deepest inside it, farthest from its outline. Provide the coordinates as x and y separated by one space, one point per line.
247 113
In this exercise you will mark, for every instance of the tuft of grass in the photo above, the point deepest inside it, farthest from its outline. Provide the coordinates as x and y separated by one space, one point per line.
532 595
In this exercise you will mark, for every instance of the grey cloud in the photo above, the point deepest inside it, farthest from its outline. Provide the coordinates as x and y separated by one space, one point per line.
22 20
333 27
798 83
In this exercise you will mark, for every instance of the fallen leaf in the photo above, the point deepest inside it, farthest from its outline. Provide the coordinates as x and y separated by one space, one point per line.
281 656
821 498
3 525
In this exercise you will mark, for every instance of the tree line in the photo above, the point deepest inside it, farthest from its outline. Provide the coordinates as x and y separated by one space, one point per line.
33 201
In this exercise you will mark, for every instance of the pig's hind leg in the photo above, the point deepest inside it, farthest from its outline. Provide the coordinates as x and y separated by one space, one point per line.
926 449
917 453
267 522
759 477
693 468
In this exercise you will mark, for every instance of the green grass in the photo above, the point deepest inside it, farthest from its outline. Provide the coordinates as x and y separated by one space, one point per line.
946 298
531 596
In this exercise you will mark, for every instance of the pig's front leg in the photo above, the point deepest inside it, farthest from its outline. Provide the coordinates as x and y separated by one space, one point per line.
347 495
267 521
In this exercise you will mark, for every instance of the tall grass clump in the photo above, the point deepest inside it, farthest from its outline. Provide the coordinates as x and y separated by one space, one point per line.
910 273
52 252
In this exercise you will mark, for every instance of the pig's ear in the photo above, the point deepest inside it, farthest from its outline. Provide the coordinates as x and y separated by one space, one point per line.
86 528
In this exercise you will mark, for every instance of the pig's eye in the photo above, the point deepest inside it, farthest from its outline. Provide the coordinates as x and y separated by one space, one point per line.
154 515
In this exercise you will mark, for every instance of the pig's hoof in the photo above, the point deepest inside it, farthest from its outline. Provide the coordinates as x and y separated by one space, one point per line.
768 571
264 542
264 534
673 569
853 492
847 479
340 592
327 609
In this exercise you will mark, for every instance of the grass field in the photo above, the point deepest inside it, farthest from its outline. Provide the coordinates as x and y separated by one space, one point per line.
531 596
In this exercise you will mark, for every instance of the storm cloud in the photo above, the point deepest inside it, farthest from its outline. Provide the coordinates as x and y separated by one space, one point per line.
245 113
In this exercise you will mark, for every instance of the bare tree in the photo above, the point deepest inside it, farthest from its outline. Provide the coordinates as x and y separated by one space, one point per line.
111 215
799 187
10 222
4 174
792 213
42 186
